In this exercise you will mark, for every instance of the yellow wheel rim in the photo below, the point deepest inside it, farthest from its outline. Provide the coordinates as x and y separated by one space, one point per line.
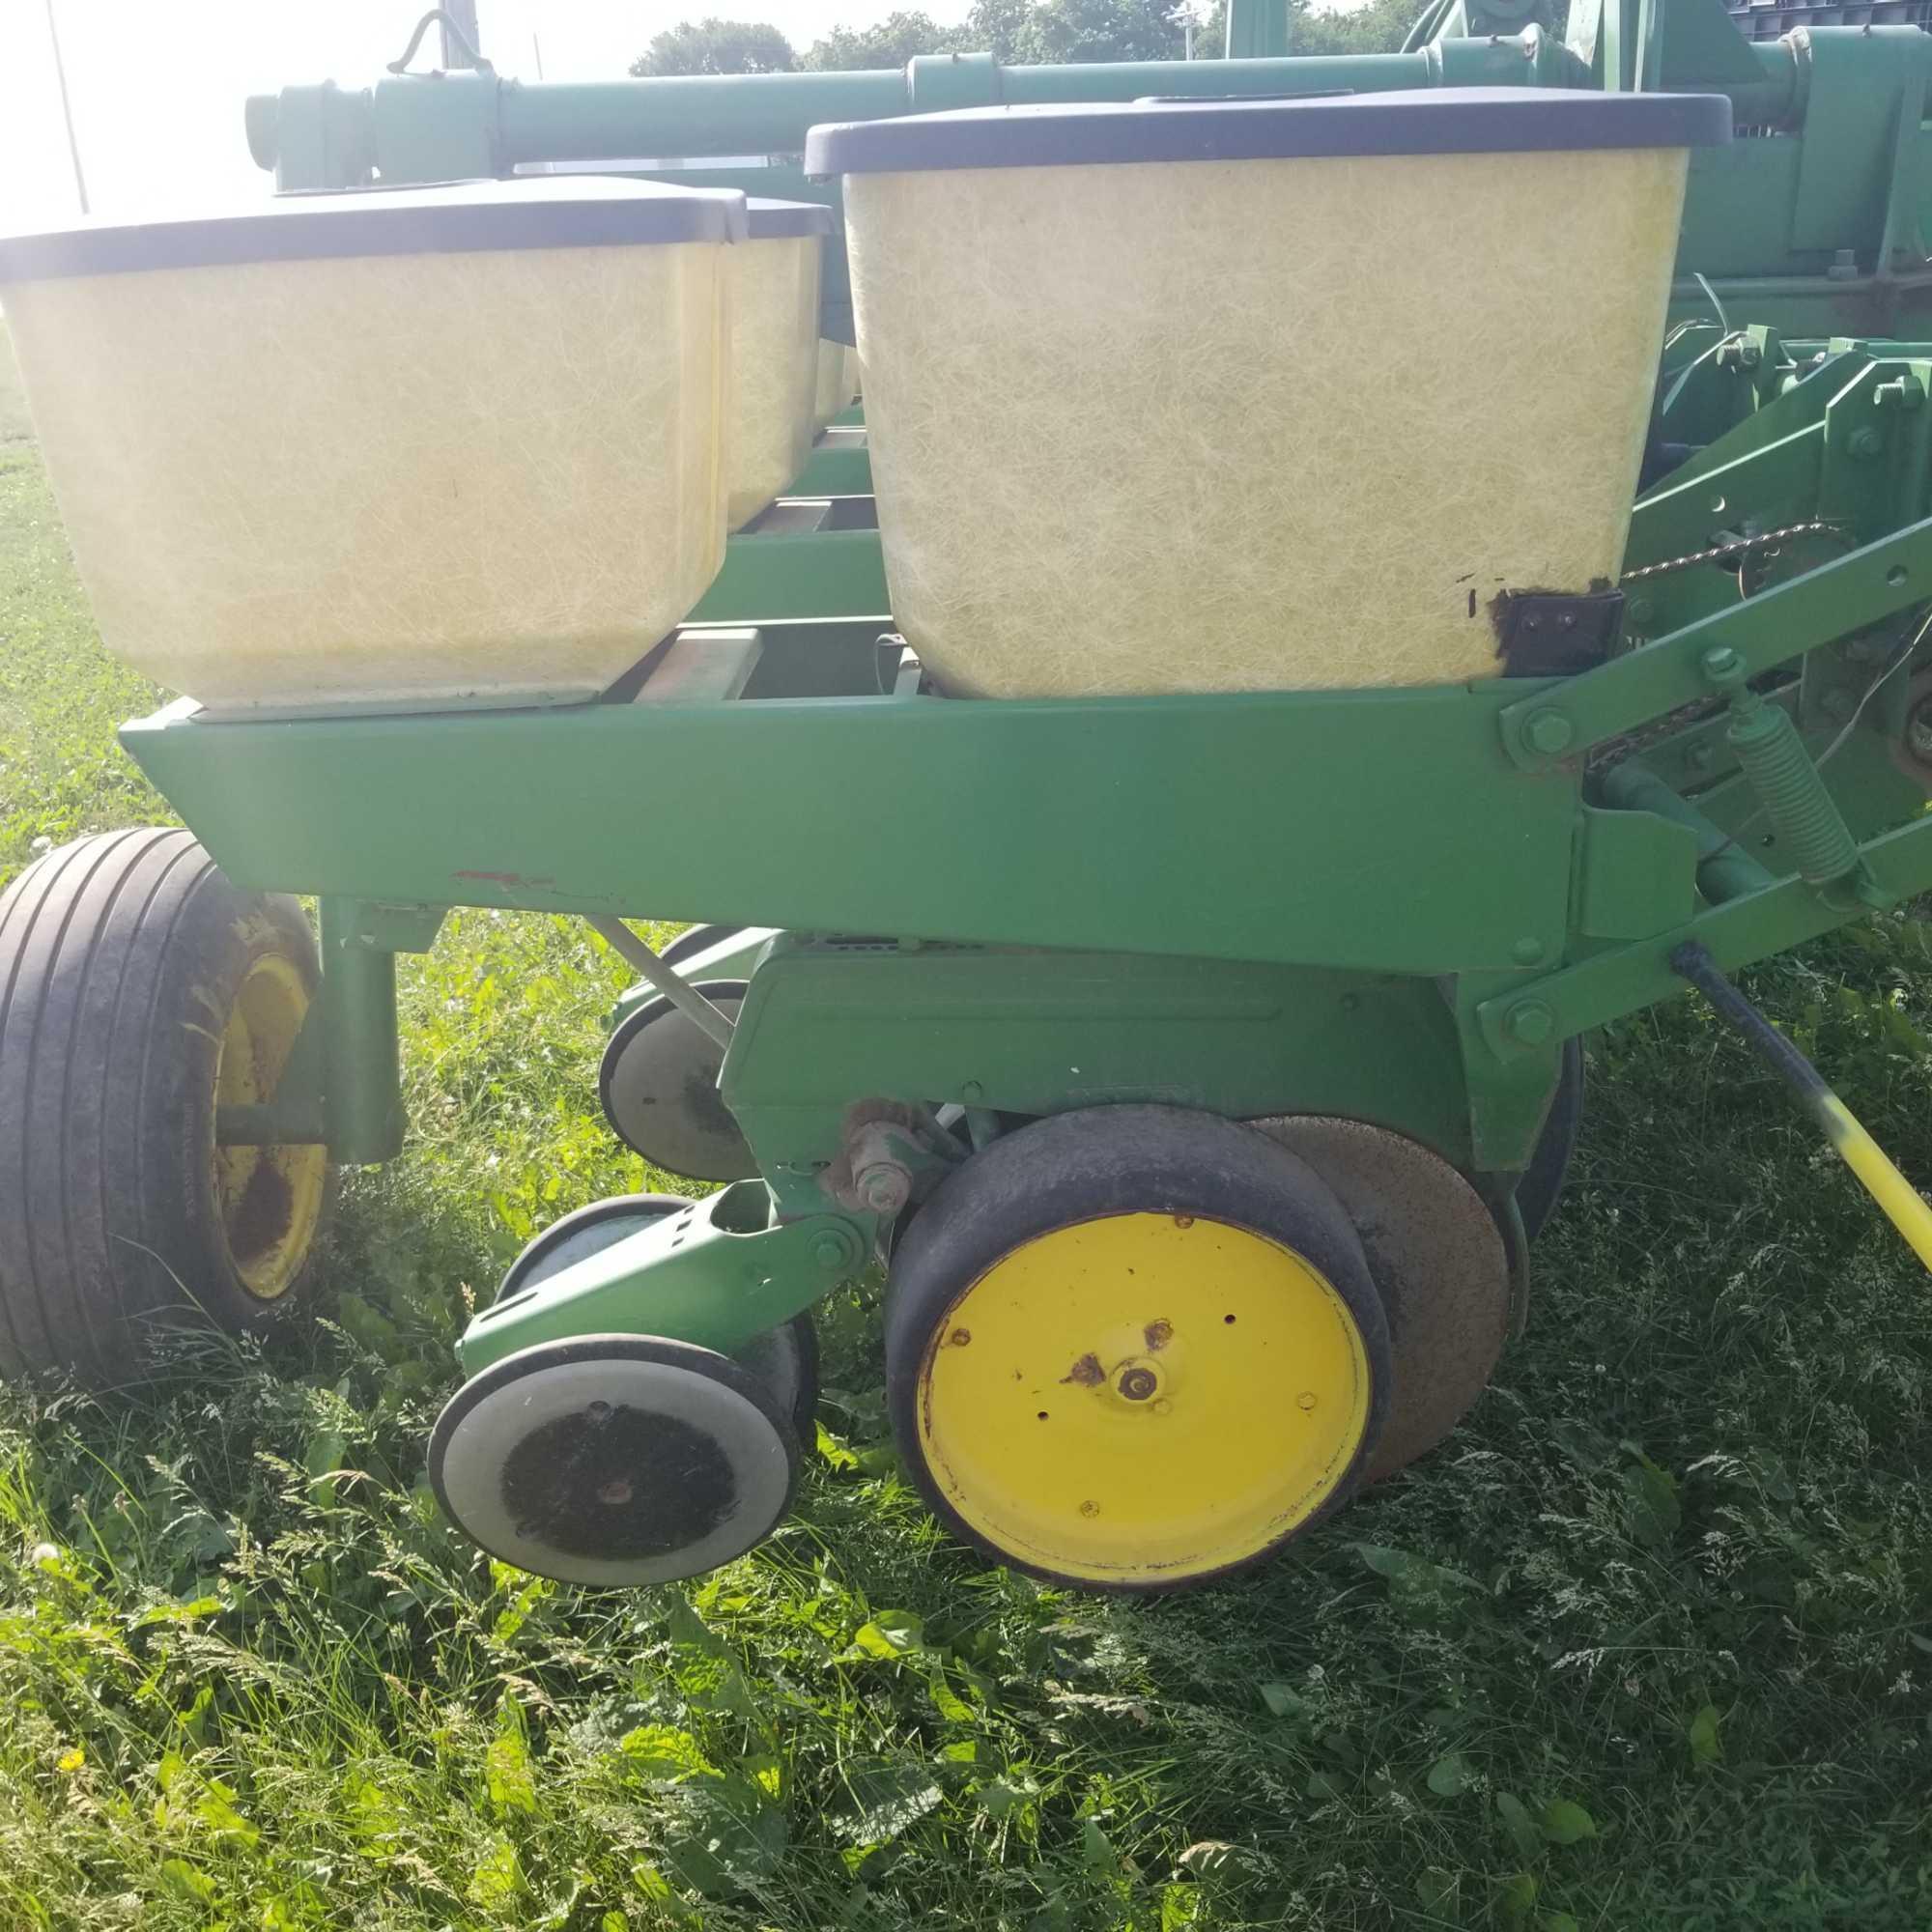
269 1198
1141 1399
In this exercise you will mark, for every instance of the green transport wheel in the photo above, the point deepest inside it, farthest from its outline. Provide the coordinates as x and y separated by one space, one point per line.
785 1358
139 990
617 1459
658 1084
1134 1347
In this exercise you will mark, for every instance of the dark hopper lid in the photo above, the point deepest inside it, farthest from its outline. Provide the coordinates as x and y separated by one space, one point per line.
778 220
1421 121
448 218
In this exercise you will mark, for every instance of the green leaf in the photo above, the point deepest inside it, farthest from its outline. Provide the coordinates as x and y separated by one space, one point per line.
1517 1900
1654 1509
1557 1921
1179 1907
498 1876
1283 1701
1706 1746
1450 1775
1096 1850
506 1765
216 1808
186 1882
887 1800
891 1635
834 1451
1528 1841
1565 1822
662 1751
726 1836
1407 1570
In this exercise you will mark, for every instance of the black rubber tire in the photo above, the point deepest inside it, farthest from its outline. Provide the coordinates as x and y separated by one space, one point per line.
1542 1184
697 939
120 958
1114 1160
786 1356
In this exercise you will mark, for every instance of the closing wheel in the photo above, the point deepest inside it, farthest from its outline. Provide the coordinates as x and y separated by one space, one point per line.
615 1458
659 1088
1439 1263
1134 1347
139 991
786 1357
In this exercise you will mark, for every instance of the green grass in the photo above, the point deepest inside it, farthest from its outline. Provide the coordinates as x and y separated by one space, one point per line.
1647 1645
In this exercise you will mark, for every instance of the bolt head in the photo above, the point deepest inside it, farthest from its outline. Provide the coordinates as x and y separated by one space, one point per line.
1138 1384
1721 661
1528 950
829 1251
1530 1023
1864 443
1548 732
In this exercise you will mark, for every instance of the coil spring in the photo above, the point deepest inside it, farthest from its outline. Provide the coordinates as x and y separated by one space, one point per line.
1793 797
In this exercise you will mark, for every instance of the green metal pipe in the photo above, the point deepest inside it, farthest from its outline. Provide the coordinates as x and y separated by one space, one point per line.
418 127
362 1068
1724 872
673 115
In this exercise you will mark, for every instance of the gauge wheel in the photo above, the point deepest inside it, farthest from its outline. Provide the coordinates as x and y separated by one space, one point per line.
1134 1347
658 1084
786 1356
619 1460
139 991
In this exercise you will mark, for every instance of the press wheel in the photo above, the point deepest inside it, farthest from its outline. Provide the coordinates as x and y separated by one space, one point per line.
1439 1263
616 1460
786 1357
1134 1347
658 1084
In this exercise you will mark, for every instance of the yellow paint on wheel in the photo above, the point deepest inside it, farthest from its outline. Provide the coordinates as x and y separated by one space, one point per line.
270 1197
1140 1399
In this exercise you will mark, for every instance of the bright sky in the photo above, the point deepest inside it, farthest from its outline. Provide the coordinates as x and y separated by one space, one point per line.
157 85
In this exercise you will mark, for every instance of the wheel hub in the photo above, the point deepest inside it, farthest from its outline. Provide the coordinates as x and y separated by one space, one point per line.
1107 1401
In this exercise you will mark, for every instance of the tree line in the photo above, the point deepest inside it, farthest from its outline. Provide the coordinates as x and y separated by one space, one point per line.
1027 32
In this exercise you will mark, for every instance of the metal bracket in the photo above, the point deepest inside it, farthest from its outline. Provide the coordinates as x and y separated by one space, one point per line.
1546 633
717 1274
1767 630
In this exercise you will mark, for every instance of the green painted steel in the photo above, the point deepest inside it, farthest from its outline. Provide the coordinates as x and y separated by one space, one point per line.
1307 827
837 467
362 1068
1032 1033
717 1274
789 577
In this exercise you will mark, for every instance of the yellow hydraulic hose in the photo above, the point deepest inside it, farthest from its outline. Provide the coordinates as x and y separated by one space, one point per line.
1896 1196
